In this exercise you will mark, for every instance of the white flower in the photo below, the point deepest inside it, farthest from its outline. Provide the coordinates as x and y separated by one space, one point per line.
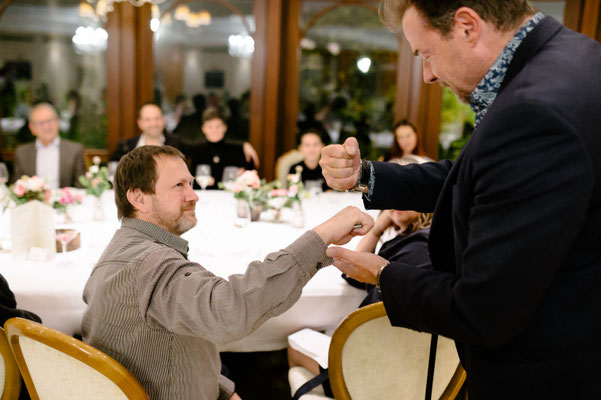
94 169
89 175
96 160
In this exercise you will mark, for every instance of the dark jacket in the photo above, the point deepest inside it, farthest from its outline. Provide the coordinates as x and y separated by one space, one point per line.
127 145
516 238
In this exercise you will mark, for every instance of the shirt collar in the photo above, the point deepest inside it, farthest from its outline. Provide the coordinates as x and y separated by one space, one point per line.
142 140
55 143
486 92
158 234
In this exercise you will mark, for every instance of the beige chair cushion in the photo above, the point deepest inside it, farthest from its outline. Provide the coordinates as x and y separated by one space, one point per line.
372 371
283 164
58 376
297 376
2 375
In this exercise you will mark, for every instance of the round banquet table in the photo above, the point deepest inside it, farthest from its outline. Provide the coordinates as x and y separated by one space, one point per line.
53 289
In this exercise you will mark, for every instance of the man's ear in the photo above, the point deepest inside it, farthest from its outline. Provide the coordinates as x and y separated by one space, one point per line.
468 25
139 200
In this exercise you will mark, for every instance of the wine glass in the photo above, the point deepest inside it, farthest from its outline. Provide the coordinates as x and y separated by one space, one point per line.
243 214
3 173
65 236
203 175
230 174
111 166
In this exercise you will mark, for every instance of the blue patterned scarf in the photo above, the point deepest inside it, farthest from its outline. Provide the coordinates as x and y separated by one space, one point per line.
486 92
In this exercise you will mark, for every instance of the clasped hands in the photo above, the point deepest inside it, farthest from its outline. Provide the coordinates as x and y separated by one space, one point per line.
340 165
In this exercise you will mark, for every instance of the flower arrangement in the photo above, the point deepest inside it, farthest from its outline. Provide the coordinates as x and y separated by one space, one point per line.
62 198
96 180
249 187
28 189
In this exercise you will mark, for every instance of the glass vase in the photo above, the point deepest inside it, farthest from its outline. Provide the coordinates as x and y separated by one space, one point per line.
98 209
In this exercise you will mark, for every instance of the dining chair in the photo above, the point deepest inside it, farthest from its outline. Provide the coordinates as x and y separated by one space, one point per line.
10 377
370 359
56 366
284 162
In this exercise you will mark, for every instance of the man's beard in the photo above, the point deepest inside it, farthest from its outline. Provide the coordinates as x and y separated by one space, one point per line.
178 224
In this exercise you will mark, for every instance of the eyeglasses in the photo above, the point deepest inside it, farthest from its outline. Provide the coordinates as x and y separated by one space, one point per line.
44 122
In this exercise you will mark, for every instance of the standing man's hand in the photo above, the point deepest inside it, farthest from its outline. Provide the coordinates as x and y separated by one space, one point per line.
340 164
362 267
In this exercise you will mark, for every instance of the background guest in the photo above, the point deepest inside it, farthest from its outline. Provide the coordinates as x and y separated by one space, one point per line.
311 141
152 124
217 152
57 160
407 140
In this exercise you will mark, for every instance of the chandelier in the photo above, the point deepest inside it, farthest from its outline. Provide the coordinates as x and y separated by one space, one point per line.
100 8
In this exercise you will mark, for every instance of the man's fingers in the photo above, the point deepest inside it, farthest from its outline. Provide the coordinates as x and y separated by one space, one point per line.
351 146
337 252
335 151
334 163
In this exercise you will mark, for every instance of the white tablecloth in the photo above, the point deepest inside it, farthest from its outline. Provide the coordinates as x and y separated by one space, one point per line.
53 289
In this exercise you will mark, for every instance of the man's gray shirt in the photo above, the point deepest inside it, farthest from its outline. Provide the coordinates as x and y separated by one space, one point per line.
161 315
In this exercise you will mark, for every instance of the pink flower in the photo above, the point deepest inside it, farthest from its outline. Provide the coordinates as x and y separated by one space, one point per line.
237 187
78 198
292 190
278 192
95 181
47 195
249 178
19 190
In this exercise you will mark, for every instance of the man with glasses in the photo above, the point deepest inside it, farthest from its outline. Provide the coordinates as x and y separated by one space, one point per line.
59 161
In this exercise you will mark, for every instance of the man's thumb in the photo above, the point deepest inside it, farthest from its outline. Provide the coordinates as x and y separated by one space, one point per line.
351 146
335 252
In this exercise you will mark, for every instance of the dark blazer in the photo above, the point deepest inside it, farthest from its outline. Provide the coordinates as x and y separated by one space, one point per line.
127 145
516 238
72 164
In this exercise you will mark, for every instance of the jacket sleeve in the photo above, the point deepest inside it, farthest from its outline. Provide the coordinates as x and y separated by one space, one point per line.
79 166
532 184
407 187
187 299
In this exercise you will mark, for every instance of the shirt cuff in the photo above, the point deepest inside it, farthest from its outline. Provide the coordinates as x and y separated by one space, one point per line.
226 388
309 251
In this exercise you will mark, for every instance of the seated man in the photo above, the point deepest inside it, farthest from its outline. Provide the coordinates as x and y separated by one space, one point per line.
152 124
218 152
59 161
311 141
162 315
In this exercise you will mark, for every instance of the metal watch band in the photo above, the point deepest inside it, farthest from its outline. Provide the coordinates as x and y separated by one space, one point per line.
378 276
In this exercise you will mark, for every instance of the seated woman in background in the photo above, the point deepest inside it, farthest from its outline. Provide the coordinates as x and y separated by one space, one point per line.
217 153
404 238
407 141
310 142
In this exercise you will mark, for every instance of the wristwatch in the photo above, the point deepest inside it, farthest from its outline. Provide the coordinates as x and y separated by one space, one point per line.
362 184
378 277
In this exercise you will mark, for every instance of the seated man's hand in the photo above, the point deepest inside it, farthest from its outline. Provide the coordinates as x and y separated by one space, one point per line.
235 397
360 266
340 164
340 228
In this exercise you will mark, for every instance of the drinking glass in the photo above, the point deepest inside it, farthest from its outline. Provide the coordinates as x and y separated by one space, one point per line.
243 214
111 166
203 175
229 175
3 173
65 236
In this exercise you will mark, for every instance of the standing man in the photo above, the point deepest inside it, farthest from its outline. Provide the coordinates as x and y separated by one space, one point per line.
59 161
516 238
162 315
